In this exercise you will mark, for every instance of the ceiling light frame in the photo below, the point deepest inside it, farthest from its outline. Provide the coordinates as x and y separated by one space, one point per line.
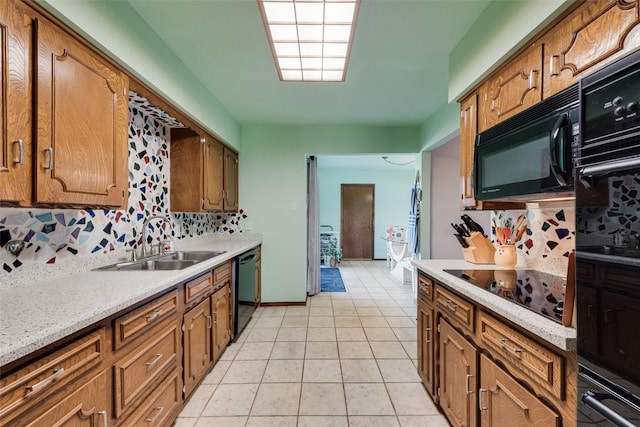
308 47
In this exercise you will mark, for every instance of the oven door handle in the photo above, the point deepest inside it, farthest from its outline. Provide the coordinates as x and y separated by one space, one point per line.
612 166
557 145
593 400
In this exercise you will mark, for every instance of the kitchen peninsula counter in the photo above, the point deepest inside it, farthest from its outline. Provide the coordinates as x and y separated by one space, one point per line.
546 329
39 312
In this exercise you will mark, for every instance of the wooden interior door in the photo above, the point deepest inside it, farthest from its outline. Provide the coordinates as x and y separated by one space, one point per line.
356 221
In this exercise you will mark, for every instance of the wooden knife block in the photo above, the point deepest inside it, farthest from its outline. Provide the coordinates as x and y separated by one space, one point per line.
480 250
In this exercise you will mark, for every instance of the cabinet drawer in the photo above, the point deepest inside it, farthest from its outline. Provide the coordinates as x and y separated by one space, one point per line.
585 271
49 374
458 309
425 287
535 361
160 405
135 373
141 320
221 274
197 289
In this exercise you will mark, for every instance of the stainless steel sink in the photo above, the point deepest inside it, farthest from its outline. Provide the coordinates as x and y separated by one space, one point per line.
174 261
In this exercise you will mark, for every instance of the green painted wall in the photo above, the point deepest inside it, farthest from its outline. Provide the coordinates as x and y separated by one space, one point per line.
116 29
391 198
273 180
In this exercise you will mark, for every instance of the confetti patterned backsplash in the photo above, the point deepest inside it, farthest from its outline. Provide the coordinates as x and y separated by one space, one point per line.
595 225
53 235
548 240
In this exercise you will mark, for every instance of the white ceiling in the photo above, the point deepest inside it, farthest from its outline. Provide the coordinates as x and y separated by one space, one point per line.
397 75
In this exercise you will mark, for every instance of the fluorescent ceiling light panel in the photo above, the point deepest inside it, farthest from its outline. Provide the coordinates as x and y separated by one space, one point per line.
310 39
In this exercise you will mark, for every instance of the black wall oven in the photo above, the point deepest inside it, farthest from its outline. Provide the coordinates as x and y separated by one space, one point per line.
607 246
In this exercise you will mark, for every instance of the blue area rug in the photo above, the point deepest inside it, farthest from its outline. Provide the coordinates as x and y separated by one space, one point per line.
330 280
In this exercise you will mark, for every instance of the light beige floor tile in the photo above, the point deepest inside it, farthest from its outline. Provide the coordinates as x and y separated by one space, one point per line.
360 371
374 322
347 322
411 347
406 334
288 350
295 321
198 400
393 312
292 334
277 399
345 311
322 421
364 303
232 351
367 399
350 334
355 350
263 334
321 311
373 421
255 351
411 399
342 303
385 302
380 334
268 322
231 400
401 322
188 422
322 399
221 422
295 310
320 300
321 334
218 371
321 350
322 371
388 350
262 421
273 311
245 372
368 311
321 322
398 371
283 371
423 421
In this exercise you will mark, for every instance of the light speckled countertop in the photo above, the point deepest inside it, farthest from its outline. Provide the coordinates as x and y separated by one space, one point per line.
546 329
42 311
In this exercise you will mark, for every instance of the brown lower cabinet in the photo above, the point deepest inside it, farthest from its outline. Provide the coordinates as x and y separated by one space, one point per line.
135 368
482 369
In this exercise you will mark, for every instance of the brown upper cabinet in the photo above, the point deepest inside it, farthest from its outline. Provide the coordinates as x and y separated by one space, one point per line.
586 38
15 104
79 116
204 173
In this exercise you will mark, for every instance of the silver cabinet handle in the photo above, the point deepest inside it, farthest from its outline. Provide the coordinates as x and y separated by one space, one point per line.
50 151
513 350
104 418
155 314
480 391
468 389
44 382
153 419
154 361
20 160
450 305
209 322
553 65
426 333
215 318
532 76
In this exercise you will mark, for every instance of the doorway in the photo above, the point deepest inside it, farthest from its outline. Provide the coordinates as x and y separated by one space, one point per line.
357 220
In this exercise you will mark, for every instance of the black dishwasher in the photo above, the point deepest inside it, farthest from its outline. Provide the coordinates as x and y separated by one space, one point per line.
245 293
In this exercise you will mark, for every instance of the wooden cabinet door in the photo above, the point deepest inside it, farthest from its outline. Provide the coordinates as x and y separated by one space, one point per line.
86 407
221 307
185 159
197 344
15 104
468 130
458 377
620 336
514 88
503 400
587 306
593 35
230 180
425 346
213 190
82 116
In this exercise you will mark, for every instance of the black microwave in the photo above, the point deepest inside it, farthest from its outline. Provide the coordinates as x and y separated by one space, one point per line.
529 156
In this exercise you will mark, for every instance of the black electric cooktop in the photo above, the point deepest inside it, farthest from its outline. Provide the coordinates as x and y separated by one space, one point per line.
540 292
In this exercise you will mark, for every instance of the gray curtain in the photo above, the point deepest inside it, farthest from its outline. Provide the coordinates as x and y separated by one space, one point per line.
313 228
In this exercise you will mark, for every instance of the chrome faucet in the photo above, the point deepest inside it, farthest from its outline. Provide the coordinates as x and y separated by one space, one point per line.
145 224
